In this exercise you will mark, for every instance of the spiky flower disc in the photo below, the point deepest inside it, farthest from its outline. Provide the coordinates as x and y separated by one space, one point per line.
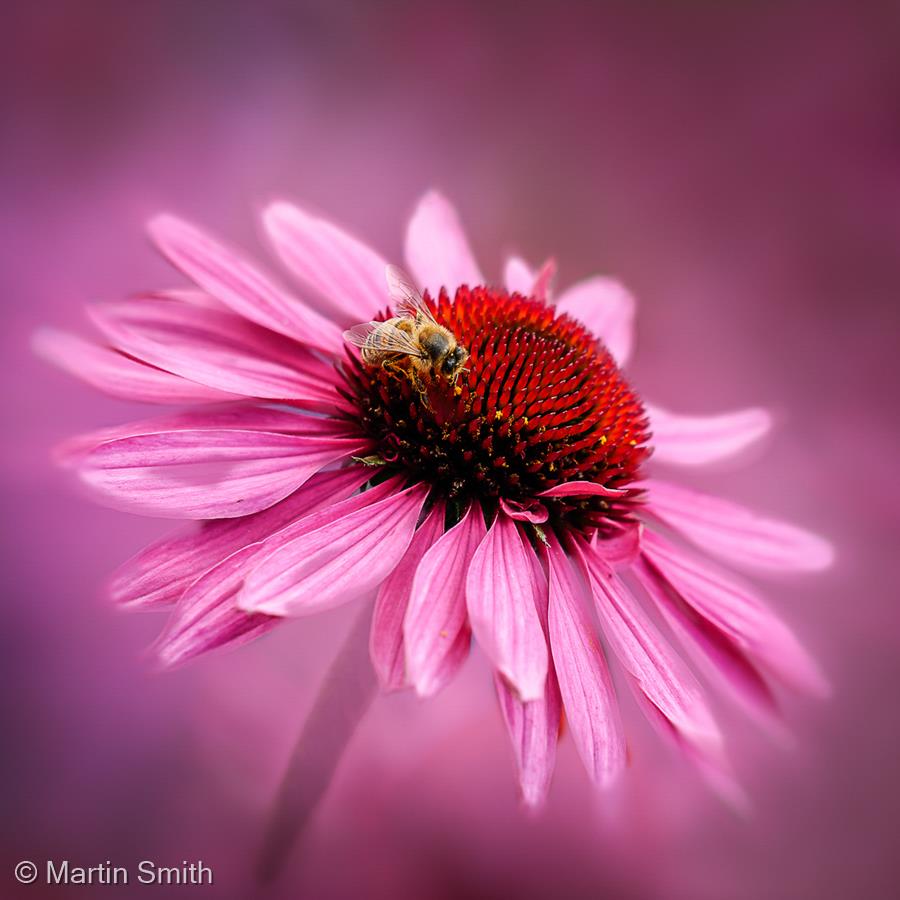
542 403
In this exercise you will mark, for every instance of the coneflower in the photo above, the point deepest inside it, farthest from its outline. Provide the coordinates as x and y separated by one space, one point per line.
503 503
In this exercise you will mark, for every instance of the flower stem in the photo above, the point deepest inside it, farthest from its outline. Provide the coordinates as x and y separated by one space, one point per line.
346 693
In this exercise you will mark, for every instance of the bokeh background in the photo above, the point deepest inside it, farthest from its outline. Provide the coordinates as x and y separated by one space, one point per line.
737 164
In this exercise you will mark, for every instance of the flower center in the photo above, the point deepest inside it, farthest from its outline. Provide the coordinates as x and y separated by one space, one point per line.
541 402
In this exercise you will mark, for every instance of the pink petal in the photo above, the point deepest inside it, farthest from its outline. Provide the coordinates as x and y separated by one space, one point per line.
724 661
217 349
119 375
521 279
736 533
735 610
192 296
501 594
606 308
542 601
533 730
436 615
581 489
710 760
208 474
587 691
533 512
386 640
541 289
241 415
533 726
518 276
452 661
672 697
207 618
437 251
341 269
619 548
226 275
159 574
698 440
341 559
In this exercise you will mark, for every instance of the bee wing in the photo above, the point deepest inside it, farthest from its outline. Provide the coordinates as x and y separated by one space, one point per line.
359 335
384 337
405 296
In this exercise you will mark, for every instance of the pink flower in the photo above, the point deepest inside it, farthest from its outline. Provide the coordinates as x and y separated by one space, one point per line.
505 502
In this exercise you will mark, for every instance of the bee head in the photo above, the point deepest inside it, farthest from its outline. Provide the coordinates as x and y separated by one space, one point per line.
455 358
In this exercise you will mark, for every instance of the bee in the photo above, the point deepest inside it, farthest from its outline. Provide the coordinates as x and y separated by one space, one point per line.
411 341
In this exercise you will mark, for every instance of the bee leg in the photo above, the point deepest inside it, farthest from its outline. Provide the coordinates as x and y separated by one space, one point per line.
420 387
392 369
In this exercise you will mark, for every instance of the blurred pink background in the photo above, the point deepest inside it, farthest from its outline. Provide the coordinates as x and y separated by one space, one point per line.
737 165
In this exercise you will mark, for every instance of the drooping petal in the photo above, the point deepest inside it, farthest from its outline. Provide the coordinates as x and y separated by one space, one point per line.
119 375
584 682
207 617
736 533
218 349
725 662
436 616
607 309
207 474
158 575
229 277
346 273
335 562
733 609
699 440
386 641
501 595
533 726
581 489
437 251
670 693
533 729
452 661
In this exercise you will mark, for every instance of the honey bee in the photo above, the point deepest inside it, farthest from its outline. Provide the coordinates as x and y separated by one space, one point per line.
413 340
